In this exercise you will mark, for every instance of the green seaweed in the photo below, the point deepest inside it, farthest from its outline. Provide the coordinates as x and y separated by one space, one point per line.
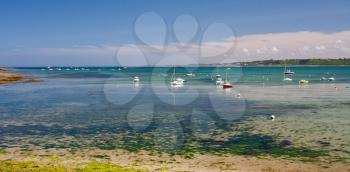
2 152
29 166
245 144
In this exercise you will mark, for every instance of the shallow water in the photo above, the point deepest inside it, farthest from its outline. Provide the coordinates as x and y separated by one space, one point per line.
103 108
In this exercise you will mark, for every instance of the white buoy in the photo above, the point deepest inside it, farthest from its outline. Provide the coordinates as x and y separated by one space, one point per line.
272 117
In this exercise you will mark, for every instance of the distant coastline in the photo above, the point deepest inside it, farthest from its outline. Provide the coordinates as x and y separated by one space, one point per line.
260 63
300 62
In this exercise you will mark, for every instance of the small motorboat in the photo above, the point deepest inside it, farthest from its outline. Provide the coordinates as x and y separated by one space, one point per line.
287 79
331 79
190 74
347 86
136 79
303 81
323 79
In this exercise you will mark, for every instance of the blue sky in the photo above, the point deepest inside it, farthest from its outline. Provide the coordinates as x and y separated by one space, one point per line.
65 23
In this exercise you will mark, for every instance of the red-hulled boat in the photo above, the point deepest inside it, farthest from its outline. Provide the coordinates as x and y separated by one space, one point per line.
227 85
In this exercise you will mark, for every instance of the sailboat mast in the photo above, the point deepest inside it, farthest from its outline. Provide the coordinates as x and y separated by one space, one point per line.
173 73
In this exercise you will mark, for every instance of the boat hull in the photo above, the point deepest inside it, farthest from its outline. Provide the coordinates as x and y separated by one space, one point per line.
226 86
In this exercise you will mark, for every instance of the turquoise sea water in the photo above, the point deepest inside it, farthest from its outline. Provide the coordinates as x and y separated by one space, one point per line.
96 104
241 75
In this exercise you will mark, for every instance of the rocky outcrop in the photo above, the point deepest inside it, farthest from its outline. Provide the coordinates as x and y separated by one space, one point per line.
6 78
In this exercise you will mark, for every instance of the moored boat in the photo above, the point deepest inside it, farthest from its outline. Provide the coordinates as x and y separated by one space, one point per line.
136 79
227 85
303 81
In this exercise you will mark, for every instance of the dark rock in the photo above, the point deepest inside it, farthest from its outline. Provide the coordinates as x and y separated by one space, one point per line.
285 143
323 143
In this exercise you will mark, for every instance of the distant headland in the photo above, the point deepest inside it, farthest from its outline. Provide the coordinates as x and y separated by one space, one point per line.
288 62
300 62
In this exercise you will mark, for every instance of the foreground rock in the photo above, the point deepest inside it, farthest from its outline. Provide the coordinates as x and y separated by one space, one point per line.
10 78
6 78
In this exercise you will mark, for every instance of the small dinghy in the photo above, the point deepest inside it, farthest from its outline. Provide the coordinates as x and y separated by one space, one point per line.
303 81
287 79
136 79
227 85
190 74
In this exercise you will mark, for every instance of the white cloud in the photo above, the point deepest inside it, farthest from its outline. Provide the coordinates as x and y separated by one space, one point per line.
250 47
274 49
245 50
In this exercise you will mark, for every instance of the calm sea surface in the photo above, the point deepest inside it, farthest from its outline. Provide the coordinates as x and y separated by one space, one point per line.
85 102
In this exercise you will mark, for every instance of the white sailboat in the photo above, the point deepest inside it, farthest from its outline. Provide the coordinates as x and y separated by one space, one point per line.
287 71
176 81
217 76
219 81
226 84
286 78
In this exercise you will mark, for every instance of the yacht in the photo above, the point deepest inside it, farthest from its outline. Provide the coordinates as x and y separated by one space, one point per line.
176 81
